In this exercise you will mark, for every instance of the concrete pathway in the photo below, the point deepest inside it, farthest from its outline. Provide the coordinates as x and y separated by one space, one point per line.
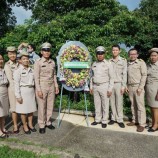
75 138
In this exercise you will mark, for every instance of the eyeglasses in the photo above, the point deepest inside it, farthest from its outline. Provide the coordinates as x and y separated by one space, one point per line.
46 49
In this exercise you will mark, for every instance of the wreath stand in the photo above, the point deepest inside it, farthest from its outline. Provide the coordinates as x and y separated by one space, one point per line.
85 100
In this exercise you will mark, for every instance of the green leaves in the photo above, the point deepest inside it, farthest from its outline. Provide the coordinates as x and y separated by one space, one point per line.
103 22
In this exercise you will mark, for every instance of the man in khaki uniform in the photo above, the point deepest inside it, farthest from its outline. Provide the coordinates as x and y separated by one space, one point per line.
46 87
101 86
136 75
9 68
120 80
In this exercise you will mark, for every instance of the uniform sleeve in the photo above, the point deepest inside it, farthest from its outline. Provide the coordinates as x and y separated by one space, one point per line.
143 69
9 74
37 75
111 77
55 79
124 75
91 78
16 76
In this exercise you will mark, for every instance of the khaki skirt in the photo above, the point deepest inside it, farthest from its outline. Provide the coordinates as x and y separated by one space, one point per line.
29 103
4 101
151 91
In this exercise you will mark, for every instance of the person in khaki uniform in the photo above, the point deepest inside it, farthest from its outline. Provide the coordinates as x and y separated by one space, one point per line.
152 88
101 86
4 100
120 80
136 78
46 87
25 92
9 68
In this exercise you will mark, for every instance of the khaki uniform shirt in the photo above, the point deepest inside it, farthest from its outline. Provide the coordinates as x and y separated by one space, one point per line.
45 72
23 77
9 68
3 78
120 70
152 73
102 72
137 73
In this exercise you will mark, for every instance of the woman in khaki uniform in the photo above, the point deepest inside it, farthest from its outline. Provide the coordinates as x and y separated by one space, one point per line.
152 88
25 93
9 68
4 101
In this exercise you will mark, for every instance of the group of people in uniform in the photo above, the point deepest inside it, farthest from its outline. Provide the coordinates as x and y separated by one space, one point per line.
112 78
21 86
17 88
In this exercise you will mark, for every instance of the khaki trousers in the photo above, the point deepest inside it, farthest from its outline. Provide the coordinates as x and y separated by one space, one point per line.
45 105
137 106
116 102
101 102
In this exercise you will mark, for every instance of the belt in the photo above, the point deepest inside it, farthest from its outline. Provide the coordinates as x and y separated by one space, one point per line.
4 85
47 82
98 84
29 86
134 84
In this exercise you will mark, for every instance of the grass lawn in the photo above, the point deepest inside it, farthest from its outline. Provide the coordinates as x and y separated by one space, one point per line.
7 152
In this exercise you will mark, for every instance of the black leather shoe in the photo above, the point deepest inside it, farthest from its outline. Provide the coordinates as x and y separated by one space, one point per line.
27 132
111 122
32 129
95 123
152 130
50 126
42 130
104 125
3 135
16 132
147 127
121 124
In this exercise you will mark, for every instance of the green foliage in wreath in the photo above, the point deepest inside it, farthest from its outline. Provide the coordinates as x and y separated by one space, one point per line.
71 53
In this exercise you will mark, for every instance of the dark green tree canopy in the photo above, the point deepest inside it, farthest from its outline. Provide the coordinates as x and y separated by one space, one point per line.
47 10
7 18
103 22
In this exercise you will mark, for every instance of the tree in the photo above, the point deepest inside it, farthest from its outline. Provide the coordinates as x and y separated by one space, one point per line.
47 10
7 18
89 24
148 11
103 22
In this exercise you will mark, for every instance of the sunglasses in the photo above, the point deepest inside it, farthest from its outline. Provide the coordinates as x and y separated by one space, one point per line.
100 53
46 49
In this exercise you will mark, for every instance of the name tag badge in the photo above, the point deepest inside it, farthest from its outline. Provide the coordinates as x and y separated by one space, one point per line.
23 74
43 65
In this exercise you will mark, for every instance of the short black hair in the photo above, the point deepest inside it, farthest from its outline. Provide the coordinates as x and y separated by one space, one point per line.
132 49
32 46
116 45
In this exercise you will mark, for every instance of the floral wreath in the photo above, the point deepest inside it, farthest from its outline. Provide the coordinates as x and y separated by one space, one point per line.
71 78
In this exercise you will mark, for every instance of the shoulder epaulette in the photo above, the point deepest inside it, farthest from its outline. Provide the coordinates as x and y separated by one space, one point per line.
123 58
140 60
38 59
